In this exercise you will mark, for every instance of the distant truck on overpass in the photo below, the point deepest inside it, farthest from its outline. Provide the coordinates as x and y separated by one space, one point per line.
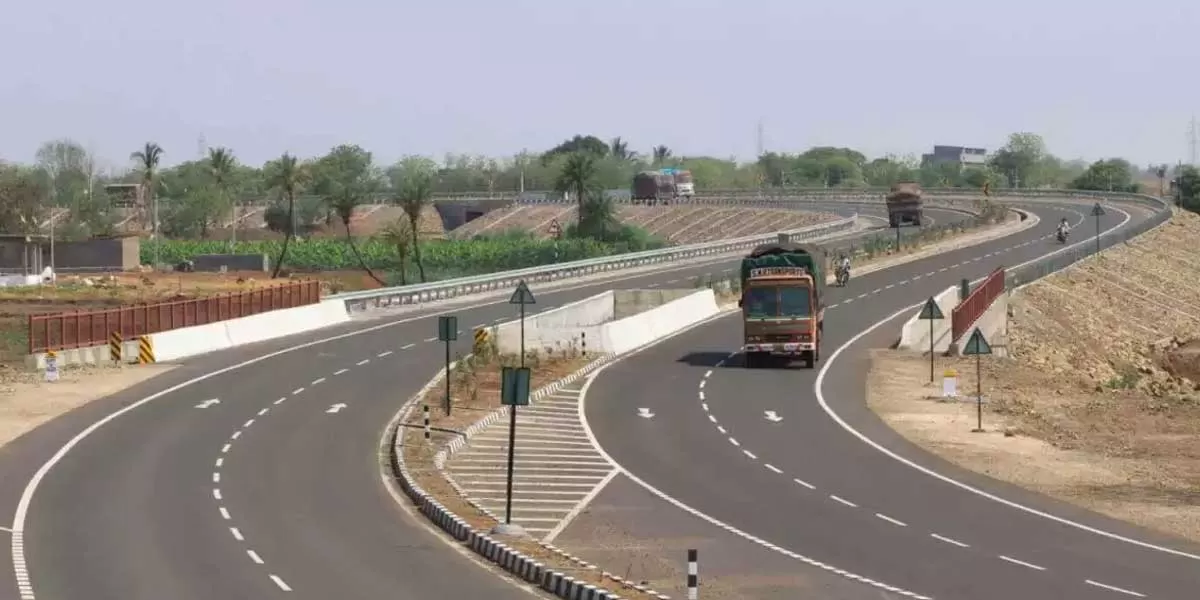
904 204
663 185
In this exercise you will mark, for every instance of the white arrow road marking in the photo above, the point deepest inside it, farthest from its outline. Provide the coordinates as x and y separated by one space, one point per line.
772 417
645 413
208 403
334 408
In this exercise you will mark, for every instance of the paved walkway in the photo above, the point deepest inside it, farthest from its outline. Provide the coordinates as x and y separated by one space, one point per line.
555 468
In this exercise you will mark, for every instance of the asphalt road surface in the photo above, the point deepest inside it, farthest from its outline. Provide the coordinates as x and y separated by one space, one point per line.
275 489
805 485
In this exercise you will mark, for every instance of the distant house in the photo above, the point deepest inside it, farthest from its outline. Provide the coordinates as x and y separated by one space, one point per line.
967 157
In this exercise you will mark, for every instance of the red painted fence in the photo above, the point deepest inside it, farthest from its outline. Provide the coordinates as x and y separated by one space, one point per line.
61 331
969 310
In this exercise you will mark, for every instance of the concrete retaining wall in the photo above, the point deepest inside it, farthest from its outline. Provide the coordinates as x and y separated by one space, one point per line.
914 335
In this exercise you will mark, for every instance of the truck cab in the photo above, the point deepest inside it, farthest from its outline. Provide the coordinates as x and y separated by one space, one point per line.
782 310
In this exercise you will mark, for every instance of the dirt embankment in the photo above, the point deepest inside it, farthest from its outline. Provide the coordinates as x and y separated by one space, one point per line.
1099 403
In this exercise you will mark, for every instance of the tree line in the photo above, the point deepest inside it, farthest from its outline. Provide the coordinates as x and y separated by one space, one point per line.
198 196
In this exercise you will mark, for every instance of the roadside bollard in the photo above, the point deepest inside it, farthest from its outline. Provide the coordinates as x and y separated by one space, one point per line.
693 582
583 342
425 409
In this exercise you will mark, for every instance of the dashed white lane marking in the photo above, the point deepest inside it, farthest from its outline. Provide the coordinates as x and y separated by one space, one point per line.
891 520
248 423
318 380
340 371
734 442
297 391
805 483
750 454
281 400
843 501
704 405
404 347
263 411
225 513
721 429
949 540
237 534
712 418
216 493
773 468
216 478
237 434
1113 588
254 556
432 339
362 362
388 352
1022 563
220 461
225 448
279 582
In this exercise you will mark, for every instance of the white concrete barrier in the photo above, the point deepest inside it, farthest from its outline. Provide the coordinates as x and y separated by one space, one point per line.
631 332
914 335
560 328
223 335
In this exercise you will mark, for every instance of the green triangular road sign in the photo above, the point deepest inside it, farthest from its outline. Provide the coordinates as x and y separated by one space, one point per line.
1097 210
977 344
931 311
521 295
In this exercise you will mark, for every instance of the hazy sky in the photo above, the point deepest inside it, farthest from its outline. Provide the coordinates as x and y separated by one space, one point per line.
493 77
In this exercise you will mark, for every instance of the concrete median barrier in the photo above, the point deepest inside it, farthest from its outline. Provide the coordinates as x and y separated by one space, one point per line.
223 335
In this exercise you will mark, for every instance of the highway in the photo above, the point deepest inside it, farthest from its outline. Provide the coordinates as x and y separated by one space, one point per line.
242 475
806 487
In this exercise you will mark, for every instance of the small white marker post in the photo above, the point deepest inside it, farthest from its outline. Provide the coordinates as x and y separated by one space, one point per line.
950 383
51 366
425 409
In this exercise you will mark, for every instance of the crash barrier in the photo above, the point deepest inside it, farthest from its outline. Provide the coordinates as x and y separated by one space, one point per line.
62 331
442 290
202 339
612 322
915 333
971 308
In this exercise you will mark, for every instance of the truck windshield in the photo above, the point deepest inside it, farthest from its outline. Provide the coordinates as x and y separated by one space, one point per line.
765 302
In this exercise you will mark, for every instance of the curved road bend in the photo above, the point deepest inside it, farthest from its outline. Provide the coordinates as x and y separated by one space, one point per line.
265 492
887 522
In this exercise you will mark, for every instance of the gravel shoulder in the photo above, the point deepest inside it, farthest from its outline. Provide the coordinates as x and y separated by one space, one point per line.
1099 403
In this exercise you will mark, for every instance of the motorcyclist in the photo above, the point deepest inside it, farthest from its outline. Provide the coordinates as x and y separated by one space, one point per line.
1063 228
844 265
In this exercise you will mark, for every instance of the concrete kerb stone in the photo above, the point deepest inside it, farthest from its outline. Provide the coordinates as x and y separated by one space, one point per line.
510 560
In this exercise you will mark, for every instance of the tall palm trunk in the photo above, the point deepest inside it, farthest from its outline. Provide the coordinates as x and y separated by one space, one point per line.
287 238
354 248
417 254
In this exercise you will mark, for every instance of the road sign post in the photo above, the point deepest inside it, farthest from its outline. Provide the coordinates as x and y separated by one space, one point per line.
514 392
1097 211
522 296
977 346
447 333
931 312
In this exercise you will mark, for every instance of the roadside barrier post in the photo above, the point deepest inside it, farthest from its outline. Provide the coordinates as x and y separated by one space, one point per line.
425 409
583 342
1097 211
693 582
447 332
145 350
978 346
931 312
115 347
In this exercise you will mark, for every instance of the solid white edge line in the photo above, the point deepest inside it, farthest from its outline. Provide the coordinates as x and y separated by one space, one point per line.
696 513
822 401
1114 588
578 508
6 530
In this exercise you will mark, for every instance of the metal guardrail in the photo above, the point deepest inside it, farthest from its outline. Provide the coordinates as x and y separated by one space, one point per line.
66 330
976 303
414 294
952 197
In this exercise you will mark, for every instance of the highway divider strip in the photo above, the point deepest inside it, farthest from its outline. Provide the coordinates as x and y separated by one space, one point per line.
507 558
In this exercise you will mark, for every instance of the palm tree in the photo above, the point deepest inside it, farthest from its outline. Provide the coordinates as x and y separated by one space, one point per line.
578 177
619 149
661 154
344 200
399 234
414 195
221 164
148 158
288 178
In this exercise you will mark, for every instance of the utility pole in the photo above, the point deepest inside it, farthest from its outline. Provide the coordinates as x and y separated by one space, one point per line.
1192 142
761 147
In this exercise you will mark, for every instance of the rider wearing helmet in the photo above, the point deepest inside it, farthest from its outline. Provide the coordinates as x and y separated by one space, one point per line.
844 265
1063 227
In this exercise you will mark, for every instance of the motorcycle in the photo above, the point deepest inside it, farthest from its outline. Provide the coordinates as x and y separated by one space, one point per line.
1062 236
843 275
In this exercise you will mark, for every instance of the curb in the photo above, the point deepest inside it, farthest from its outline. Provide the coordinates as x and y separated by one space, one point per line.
513 561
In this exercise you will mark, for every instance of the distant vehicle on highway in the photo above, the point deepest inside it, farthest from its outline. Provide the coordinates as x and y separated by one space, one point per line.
783 311
904 204
663 186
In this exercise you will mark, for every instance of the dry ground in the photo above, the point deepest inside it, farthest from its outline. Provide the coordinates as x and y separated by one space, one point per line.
1100 402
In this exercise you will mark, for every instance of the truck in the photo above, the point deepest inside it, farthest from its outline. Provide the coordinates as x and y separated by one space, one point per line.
782 302
904 204
663 185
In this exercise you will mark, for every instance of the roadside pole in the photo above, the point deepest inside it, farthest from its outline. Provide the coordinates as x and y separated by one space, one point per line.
514 392
447 333
693 575
977 346
1097 211
931 312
